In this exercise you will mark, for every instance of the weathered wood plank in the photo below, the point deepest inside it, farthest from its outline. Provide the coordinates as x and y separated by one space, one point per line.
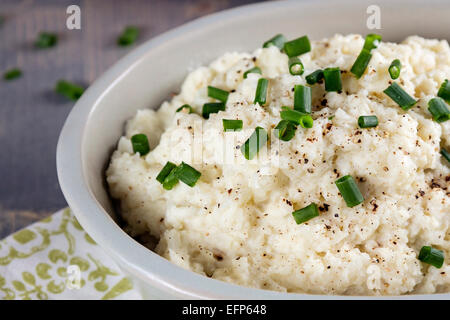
31 114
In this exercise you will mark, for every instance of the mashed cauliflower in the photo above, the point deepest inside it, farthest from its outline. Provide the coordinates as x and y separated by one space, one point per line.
236 223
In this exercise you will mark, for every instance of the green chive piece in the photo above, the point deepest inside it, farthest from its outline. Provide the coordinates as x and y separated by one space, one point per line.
296 117
302 98
295 66
297 46
140 144
171 180
165 171
185 108
432 256
361 63
400 96
314 77
438 108
331 117
395 68
218 94
372 41
232 125
46 40
261 91
277 41
367 121
12 74
128 36
69 90
349 191
306 121
212 107
444 91
285 130
291 115
252 70
445 154
332 78
306 213
187 174
257 140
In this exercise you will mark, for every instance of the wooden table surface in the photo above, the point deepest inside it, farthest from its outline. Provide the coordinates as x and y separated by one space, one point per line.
31 114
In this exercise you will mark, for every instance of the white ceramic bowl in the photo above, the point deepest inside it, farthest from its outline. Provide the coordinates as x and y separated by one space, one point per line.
146 76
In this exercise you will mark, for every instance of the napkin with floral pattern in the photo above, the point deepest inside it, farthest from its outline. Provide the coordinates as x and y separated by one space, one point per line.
56 259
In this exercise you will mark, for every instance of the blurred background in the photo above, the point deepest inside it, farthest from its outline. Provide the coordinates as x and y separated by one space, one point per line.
32 113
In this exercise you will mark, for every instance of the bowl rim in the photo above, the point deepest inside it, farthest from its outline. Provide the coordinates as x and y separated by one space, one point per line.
144 264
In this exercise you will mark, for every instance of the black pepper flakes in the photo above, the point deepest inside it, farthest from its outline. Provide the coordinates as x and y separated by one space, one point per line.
434 184
218 257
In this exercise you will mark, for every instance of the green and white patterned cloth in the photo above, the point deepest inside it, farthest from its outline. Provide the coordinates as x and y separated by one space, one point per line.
56 259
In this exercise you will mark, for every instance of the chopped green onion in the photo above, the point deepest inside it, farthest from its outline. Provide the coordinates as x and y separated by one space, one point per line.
261 91
140 144
349 191
314 77
295 66
46 40
257 140
69 90
232 125
400 96
394 69
306 213
186 107
128 36
331 117
218 94
438 108
332 78
277 41
367 121
297 46
12 74
306 121
165 171
444 91
291 115
372 41
187 174
296 117
285 130
212 107
432 256
445 154
252 70
302 98
361 63
171 180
